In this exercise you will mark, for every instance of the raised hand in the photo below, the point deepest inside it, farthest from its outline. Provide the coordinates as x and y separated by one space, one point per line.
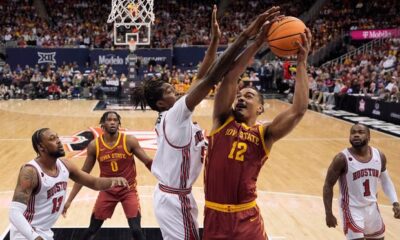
263 33
256 25
119 182
304 46
215 31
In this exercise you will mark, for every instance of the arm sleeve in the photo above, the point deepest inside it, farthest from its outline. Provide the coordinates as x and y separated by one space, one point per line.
388 187
17 219
178 123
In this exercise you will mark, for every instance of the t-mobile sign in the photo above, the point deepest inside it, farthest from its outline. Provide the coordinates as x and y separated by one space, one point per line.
374 33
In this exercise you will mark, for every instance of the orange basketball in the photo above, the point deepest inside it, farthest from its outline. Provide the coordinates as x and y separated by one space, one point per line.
282 36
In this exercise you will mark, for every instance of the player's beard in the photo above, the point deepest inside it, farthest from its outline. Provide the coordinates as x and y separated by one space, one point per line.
57 154
359 144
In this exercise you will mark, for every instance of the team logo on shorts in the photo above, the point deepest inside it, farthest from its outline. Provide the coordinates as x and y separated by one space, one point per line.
76 145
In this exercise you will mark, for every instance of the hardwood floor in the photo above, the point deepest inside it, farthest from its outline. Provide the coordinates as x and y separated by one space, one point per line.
289 185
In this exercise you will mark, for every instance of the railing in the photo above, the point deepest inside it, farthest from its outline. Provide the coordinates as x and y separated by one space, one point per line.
363 49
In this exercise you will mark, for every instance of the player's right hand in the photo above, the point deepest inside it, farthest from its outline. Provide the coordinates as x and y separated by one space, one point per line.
304 46
256 25
119 182
66 206
331 220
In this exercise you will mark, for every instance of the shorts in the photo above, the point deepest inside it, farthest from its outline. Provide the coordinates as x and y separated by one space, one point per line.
176 214
362 222
108 200
45 234
246 224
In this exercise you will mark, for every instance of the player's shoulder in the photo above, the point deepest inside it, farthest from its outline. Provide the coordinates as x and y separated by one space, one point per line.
340 158
28 168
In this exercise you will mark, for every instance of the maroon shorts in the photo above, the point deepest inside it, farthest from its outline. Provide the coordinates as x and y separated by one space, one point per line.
107 200
247 224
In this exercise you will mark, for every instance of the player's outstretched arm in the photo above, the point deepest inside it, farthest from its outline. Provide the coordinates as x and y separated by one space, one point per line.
87 167
27 183
211 53
287 120
138 151
95 183
223 63
388 187
227 91
337 167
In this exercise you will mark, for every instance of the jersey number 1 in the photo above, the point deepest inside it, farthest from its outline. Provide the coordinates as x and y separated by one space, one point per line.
367 191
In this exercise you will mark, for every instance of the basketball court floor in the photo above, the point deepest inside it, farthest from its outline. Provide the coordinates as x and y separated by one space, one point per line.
289 185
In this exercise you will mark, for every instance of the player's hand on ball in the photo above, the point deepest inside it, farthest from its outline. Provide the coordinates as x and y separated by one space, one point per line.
304 46
255 26
262 34
119 182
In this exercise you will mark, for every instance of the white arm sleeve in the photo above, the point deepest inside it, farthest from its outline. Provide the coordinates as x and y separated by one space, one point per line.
178 123
388 187
17 219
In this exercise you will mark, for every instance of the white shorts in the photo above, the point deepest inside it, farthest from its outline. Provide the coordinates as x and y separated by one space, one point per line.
16 235
176 215
362 222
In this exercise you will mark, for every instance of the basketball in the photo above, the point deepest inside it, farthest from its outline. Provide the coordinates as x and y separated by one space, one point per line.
282 36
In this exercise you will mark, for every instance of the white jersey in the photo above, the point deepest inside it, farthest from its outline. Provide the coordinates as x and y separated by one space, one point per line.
180 147
47 202
359 185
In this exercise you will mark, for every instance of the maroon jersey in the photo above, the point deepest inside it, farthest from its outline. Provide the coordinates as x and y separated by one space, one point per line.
116 161
235 156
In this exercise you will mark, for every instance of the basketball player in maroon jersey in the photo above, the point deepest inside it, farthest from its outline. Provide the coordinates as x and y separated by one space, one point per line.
359 169
238 148
114 151
42 185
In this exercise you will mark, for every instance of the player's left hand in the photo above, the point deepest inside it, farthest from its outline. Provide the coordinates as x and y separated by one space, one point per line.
215 31
119 182
396 210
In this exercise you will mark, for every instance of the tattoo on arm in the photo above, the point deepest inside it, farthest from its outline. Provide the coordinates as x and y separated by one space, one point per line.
27 182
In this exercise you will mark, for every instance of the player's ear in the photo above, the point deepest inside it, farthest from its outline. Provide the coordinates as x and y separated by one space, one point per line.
160 104
41 148
260 109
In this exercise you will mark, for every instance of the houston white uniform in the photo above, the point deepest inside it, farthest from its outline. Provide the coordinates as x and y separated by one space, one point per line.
46 203
177 164
358 194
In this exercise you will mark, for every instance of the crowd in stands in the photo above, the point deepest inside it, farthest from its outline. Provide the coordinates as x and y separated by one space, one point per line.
375 74
81 23
337 17
70 81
